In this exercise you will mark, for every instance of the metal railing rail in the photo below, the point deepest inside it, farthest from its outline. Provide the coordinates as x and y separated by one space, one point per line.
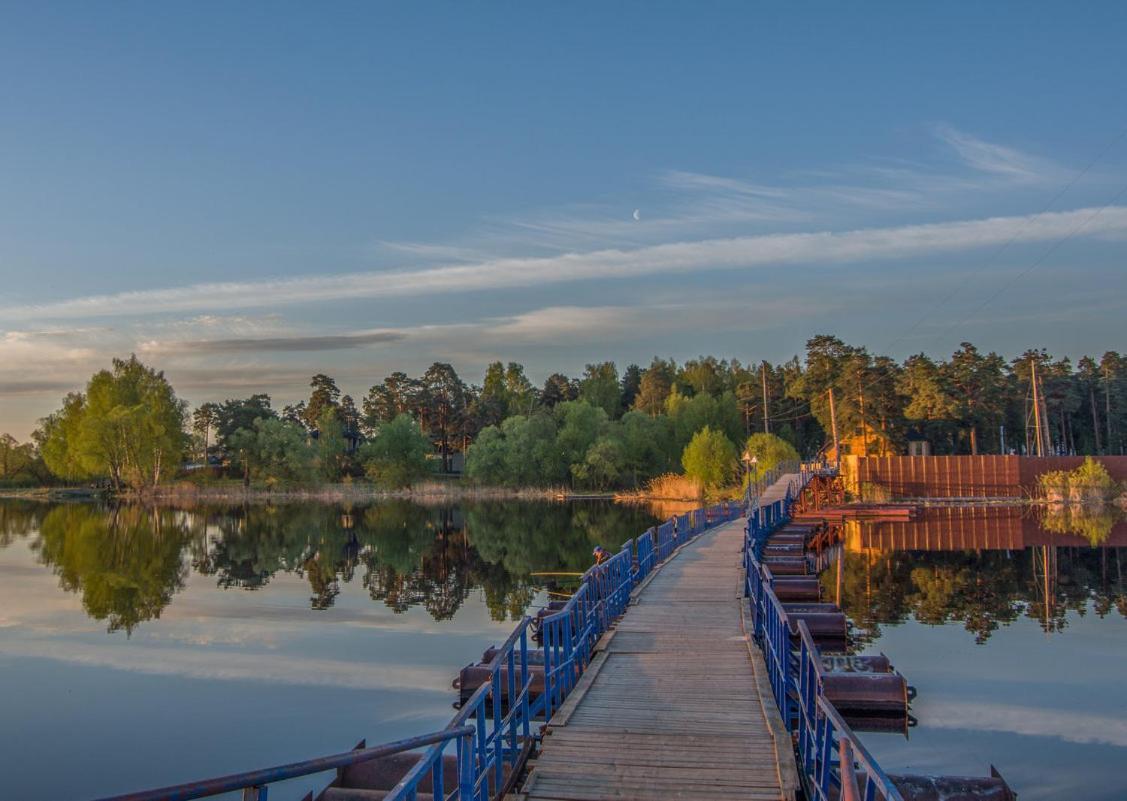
258 780
832 761
570 634
493 729
499 737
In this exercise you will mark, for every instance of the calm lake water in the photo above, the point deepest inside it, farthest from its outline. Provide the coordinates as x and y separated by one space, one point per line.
1012 628
141 647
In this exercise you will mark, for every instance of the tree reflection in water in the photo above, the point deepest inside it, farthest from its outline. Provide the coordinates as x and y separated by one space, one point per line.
989 586
127 562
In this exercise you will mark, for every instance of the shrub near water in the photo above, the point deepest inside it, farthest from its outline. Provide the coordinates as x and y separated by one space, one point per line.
769 451
709 458
1090 482
397 455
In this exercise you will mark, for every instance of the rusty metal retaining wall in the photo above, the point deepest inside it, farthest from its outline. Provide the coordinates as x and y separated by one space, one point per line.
962 476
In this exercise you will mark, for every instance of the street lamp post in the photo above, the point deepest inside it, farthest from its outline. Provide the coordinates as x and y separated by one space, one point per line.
749 463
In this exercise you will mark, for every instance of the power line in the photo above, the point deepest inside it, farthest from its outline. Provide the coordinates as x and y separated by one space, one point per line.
1001 249
1039 261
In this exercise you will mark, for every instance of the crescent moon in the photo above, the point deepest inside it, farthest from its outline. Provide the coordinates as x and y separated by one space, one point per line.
637 214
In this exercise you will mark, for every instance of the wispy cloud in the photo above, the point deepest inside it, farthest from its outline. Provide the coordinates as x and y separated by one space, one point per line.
270 344
736 254
999 160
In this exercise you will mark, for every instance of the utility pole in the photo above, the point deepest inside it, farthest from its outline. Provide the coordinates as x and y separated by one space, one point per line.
1107 406
1002 433
766 420
1036 408
1095 418
861 402
833 425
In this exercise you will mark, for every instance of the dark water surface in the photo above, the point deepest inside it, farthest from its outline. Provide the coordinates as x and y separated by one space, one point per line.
1012 627
140 648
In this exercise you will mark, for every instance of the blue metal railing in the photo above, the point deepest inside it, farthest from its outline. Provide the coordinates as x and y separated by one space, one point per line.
569 635
492 731
831 759
499 738
258 780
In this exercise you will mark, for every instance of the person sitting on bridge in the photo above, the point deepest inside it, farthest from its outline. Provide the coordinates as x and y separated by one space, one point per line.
601 554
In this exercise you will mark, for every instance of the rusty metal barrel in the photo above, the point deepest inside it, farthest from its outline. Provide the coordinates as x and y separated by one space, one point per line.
788 537
882 724
473 676
784 549
535 656
825 627
860 693
787 565
386 772
796 588
850 663
550 609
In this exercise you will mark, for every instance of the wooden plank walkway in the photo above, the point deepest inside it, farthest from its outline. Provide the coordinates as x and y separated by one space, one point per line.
675 703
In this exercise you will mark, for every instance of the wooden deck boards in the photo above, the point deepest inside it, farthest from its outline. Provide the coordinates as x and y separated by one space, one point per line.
675 704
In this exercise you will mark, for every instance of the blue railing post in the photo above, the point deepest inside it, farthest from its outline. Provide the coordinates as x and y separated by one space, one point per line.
466 777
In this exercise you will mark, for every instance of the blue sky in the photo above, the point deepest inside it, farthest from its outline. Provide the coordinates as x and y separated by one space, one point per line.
248 194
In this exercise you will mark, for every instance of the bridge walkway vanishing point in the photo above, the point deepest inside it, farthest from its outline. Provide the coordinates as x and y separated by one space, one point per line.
676 702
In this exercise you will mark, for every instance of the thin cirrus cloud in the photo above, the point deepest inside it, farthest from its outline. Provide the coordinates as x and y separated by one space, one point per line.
998 160
733 254
271 344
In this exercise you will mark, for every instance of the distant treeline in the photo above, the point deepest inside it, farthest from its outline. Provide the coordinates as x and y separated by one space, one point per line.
605 429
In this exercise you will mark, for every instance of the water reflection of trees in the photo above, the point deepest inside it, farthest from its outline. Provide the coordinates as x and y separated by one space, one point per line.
128 562
125 562
980 589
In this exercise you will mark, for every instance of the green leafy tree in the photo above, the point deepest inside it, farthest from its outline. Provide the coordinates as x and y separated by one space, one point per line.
580 425
631 385
931 406
441 405
769 451
533 456
602 465
600 388
324 397
128 427
709 458
234 414
978 385
204 419
558 388
397 455
648 447
704 376
494 399
486 458
59 434
688 415
275 450
395 396
332 447
655 385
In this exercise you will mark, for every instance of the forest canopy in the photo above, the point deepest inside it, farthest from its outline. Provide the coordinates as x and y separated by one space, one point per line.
604 429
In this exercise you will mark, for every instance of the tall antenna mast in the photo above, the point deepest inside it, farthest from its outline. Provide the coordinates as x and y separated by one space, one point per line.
1036 408
833 425
766 420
